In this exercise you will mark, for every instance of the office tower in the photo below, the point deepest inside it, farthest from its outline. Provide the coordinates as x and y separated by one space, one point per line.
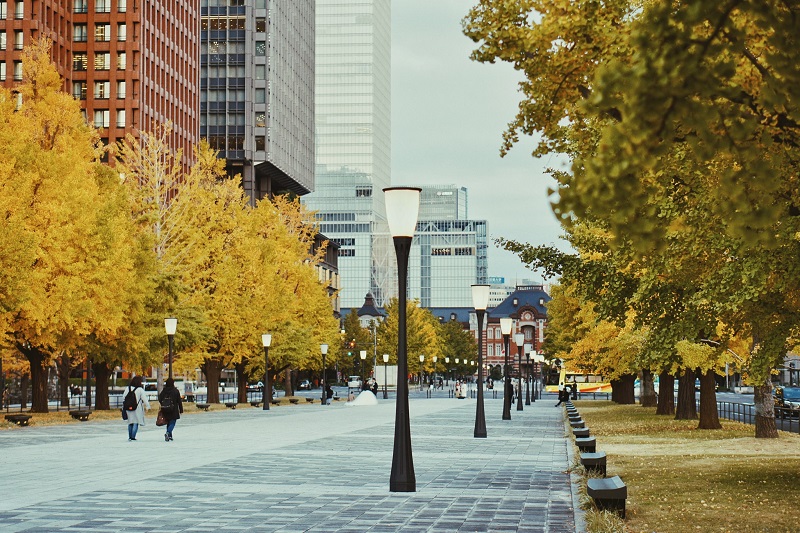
131 66
257 81
443 202
353 143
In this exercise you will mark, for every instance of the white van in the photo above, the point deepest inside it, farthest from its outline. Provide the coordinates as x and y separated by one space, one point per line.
186 388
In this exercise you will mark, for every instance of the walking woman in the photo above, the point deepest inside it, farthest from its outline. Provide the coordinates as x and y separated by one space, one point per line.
136 416
171 406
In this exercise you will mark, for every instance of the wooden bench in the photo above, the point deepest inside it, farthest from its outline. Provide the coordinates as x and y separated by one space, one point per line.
83 416
572 411
275 402
335 398
203 406
609 494
586 444
580 432
577 423
255 403
594 461
20 420
309 400
294 401
230 405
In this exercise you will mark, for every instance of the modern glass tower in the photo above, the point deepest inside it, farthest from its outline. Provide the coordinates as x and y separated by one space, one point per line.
353 143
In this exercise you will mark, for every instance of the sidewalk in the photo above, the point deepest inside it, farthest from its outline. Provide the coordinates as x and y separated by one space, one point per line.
293 468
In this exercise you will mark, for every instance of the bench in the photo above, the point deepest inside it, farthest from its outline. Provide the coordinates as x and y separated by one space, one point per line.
335 398
83 416
586 444
594 461
255 403
294 401
575 418
580 432
275 402
609 494
230 405
572 411
577 423
20 420
203 406
309 400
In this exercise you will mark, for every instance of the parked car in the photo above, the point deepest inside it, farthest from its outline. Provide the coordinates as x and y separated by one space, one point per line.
787 401
304 385
255 387
354 382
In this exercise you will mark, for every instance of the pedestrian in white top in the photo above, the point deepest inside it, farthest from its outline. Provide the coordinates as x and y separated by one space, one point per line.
136 416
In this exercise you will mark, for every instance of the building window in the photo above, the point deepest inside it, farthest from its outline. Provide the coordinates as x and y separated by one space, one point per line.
2 71
490 349
261 72
102 90
17 70
261 119
489 333
102 6
80 61
261 96
120 89
102 60
19 10
18 39
441 251
102 32
2 40
80 6
261 24
261 48
347 253
261 143
122 61
363 192
120 118
122 6
79 90
79 33
101 118
122 32
3 10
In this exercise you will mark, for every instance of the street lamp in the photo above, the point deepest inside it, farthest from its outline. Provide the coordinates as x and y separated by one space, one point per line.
480 299
447 369
519 340
266 394
528 349
505 329
324 349
433 375
421 360
363 355
402 208
385 362
170 325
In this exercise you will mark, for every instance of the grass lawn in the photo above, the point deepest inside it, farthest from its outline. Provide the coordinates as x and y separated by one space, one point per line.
681 479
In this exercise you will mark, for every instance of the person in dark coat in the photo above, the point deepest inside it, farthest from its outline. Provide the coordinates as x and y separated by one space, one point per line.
563 394
170 396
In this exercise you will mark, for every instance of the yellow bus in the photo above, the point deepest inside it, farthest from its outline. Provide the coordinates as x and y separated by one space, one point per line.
586 381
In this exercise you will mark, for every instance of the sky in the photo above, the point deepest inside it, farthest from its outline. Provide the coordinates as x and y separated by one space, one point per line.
448 117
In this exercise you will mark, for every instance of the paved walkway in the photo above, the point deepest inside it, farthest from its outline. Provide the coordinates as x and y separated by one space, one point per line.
293 468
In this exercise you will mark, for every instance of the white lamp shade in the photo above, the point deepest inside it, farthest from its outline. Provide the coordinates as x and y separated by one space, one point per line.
421 358
386 358
528 349
171 325
447 360
324 349
266 340
402 209
480 297
519 339
363 354
505 325
456 360
435 358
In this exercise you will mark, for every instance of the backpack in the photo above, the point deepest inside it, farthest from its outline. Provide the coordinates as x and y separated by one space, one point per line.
130 403
167 405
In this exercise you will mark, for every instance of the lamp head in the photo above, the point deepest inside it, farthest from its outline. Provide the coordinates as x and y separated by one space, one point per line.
421 358
266 340
363 354
171 325
386 358
480 297
505 325
402 209
519 339
324 349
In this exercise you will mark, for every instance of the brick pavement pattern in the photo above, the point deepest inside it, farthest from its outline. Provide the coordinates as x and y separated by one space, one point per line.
291 469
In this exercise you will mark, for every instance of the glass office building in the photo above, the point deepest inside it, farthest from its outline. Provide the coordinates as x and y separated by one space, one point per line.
353 143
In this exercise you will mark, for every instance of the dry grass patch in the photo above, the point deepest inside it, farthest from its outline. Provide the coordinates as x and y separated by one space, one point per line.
680 478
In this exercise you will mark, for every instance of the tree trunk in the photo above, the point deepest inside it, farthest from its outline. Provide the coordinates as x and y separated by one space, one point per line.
212 369
101 374
24 383
287 380
666 394
37 360
765 411
687 408
242 377
647 394
627 391
63 367
709 417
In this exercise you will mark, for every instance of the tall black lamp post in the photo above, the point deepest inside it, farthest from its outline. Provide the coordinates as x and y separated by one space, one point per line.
505 329
528 377
447 370
402 208
363 355
519 340
385 362
480 299
421 361
266 393
171 325
324 349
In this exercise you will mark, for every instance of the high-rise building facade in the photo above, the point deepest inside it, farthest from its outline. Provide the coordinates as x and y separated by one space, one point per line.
443 202
257 80
353 143
132 65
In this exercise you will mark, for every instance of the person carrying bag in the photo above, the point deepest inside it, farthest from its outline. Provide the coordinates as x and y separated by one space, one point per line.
171 407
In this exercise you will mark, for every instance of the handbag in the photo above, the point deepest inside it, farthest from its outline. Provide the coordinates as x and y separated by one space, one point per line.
161 420
124 414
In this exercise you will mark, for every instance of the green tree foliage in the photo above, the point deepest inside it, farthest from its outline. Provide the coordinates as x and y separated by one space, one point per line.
422 335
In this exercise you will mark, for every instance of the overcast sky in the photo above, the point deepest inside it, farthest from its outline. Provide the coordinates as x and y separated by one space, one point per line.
448 116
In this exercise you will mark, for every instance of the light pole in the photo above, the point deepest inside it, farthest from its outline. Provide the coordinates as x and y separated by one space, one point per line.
363 355
324 349
402 208
266 394
456 377
170 325
433 374
421 360
519 340
385 362
505 329
480 299
528 380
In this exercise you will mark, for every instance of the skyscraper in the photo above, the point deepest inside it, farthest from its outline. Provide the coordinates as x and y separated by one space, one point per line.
257 80
353 143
